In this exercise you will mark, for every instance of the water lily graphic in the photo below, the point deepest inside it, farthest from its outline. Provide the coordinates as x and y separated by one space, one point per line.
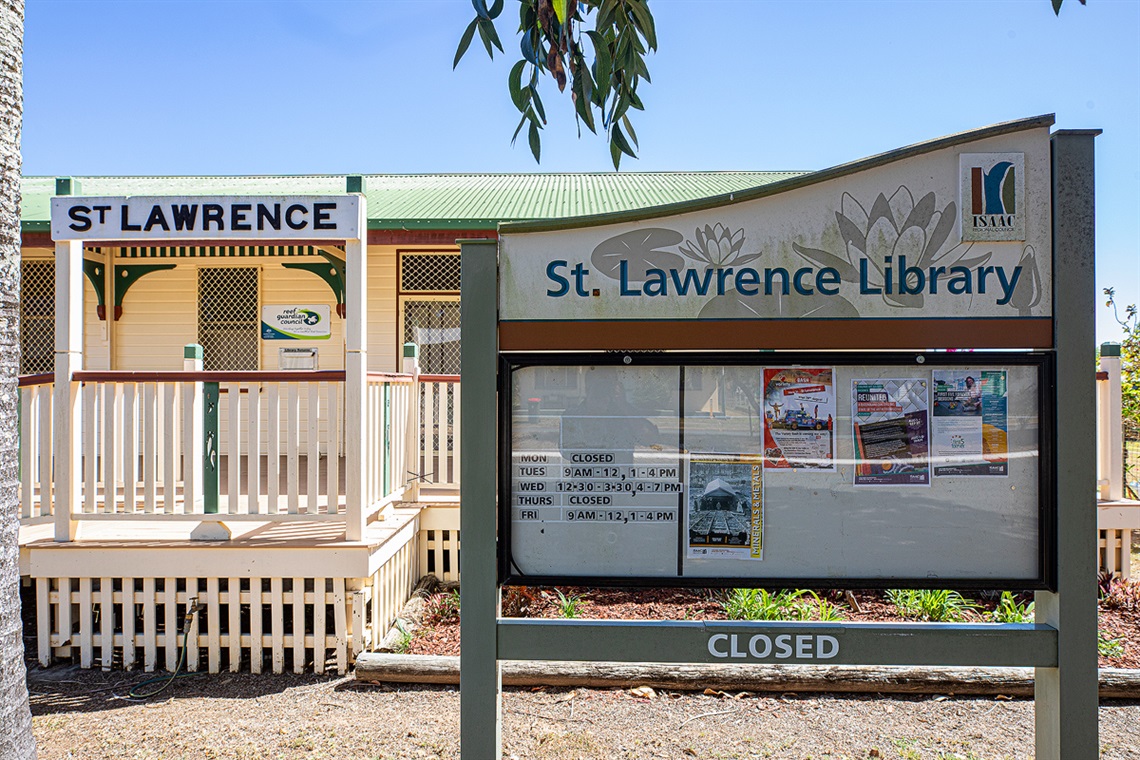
1028 292
640 250
717 246
895 227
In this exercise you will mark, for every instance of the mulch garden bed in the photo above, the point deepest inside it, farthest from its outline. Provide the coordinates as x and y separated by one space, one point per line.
1119 612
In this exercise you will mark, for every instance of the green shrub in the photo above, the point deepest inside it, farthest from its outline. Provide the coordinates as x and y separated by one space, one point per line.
442 608
405 641
1107 646
936 605
568 606
1009 611
787 604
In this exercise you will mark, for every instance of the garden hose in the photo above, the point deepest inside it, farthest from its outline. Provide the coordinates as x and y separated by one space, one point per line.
187 623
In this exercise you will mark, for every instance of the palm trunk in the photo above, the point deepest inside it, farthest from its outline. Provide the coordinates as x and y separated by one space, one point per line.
16 740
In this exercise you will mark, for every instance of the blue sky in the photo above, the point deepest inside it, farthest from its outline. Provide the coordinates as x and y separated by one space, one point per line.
236 87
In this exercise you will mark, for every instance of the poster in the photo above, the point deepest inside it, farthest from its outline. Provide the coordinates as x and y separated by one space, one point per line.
799 417
295 322
970 435
725 515
889 422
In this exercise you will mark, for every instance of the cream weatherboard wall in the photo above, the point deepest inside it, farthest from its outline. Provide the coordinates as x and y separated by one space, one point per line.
383 340
160 316
96 343
281 286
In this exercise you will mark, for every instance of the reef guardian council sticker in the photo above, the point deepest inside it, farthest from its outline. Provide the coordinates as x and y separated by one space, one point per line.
992 194
295 322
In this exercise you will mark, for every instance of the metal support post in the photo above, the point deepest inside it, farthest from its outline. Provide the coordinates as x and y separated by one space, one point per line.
1066 696
480 675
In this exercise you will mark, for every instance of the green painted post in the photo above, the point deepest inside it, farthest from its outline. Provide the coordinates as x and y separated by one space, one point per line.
210 487
1066 696
480 676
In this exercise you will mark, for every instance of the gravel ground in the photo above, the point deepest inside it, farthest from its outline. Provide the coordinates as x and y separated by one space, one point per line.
82 714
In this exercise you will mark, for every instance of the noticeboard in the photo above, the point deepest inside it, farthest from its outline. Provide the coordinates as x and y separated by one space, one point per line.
828 469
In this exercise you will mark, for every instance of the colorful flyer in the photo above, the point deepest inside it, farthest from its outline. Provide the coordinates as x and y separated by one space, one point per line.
890 421
970 435
725 516
799 417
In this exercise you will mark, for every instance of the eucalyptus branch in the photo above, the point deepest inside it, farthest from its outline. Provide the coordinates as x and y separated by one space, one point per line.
603 75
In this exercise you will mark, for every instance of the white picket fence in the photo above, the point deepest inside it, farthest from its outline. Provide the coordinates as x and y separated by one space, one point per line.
279 453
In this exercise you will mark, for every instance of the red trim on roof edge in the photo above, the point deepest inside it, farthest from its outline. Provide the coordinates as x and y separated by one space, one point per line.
426 237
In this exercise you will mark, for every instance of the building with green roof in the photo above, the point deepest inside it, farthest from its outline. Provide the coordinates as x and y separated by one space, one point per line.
140 321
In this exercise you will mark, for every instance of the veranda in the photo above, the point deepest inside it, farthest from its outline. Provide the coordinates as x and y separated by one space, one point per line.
279 518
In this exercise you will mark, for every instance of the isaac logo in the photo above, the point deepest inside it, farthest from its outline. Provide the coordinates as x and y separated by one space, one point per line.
993 196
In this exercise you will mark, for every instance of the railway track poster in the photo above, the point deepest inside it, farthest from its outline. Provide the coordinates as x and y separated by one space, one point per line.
725 506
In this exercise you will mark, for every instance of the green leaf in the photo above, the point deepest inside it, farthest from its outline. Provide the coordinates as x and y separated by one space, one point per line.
645 22
615 154
526 44
496 9
602 61
537 101
560 10
481 9
465 42
486 40
494 36
629 128
605 18
523 120
514 82
620 107
1057 7
535 144
581 88
619 139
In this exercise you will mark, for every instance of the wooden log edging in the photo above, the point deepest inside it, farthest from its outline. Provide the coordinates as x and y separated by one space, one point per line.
372 667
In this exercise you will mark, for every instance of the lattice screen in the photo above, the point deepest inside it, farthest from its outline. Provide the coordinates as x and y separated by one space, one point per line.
228 323
37 316
434 327
429 273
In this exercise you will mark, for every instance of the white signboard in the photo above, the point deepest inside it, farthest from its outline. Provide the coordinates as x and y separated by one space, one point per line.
305 217
295 322
897 240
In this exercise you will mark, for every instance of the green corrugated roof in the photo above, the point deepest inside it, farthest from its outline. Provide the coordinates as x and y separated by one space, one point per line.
435 201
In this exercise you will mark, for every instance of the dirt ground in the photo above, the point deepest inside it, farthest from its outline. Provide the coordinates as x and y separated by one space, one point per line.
83 715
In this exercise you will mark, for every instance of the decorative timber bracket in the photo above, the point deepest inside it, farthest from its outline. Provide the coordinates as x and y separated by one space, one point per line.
127 275
332 273
96 272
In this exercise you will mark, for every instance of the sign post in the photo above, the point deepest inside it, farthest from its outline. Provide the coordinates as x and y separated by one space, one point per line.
763 390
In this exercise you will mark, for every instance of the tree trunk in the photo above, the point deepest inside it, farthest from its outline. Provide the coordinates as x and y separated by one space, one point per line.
16 740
